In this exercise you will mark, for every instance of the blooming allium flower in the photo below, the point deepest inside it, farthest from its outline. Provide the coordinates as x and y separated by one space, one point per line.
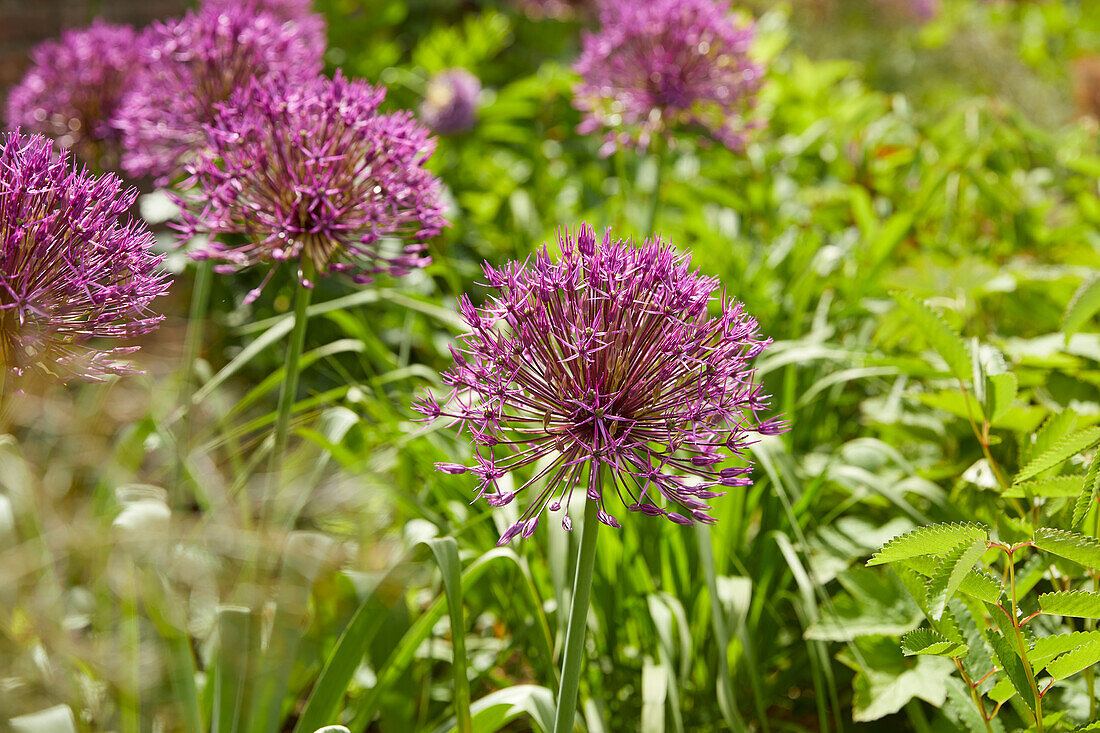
73 87
605 368
191 65
450 101
70 270
662 64
314 169
311 25
558 9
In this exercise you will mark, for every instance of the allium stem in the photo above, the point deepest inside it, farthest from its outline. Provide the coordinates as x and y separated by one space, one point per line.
578 622
290 378
655 202
192 347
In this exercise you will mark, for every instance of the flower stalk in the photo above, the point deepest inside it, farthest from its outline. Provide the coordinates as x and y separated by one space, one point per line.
578 622
302 297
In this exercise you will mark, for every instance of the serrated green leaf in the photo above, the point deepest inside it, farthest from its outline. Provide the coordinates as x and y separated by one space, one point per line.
1050 487
943 339
1089 487
927 641
933 539
1062 450
1074 661
1070 545
1047 648
950 573
1003 691
1084 304
1057 426
1076 603
1001 393
1013 667
977 583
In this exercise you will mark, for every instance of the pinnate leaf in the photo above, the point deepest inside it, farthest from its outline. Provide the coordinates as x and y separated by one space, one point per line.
1070 545
1000 393
1013 667
944 340
1074 661
1089 487
927 641
977 583
933 539
1062 450
1084 304
950 573
1047 648
1050 487
1076 603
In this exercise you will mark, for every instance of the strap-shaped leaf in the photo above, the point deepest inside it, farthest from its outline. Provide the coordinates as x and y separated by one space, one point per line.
933 539
1077 603
927 641
1089 487
943 339
1070 545
1013 667
1049 487
950 573
1084 304
1000 394
1062 450
1047 648
1074 661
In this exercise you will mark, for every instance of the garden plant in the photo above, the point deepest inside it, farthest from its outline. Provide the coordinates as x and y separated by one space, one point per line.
418 366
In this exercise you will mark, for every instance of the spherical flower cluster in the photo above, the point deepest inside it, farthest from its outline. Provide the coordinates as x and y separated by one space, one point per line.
191 65
72 90
557 9
311 25
70 270
314 169
450 101
659 65
606 370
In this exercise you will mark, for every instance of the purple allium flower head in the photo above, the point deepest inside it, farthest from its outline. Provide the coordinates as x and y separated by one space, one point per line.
73 88
557 9
70 269
191 65
659 65
605 361
314 168
311 25
450 101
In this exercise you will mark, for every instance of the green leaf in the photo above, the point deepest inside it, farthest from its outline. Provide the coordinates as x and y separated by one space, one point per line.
1047 648
950 572
1062 450
1074 661
927 641
1001 393
1013 667
58 719
1089 487
1076 603
944 340
445 550
1003 691
977 583
1070 545
1049 487
496 710
934 539
1084 304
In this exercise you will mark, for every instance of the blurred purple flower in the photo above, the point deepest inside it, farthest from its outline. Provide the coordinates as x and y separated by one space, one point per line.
557 9
450 101
660 65
191 65
605 367
70 270
314 168
311 25
73 87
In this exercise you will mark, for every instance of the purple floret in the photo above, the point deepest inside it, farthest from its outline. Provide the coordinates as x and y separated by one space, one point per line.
191 65
661 65
450 101
311 25
314 169
605 368
70 269
72 90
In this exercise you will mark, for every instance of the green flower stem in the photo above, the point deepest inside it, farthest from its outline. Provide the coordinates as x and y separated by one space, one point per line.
578 623
192 347
655 203
290 380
